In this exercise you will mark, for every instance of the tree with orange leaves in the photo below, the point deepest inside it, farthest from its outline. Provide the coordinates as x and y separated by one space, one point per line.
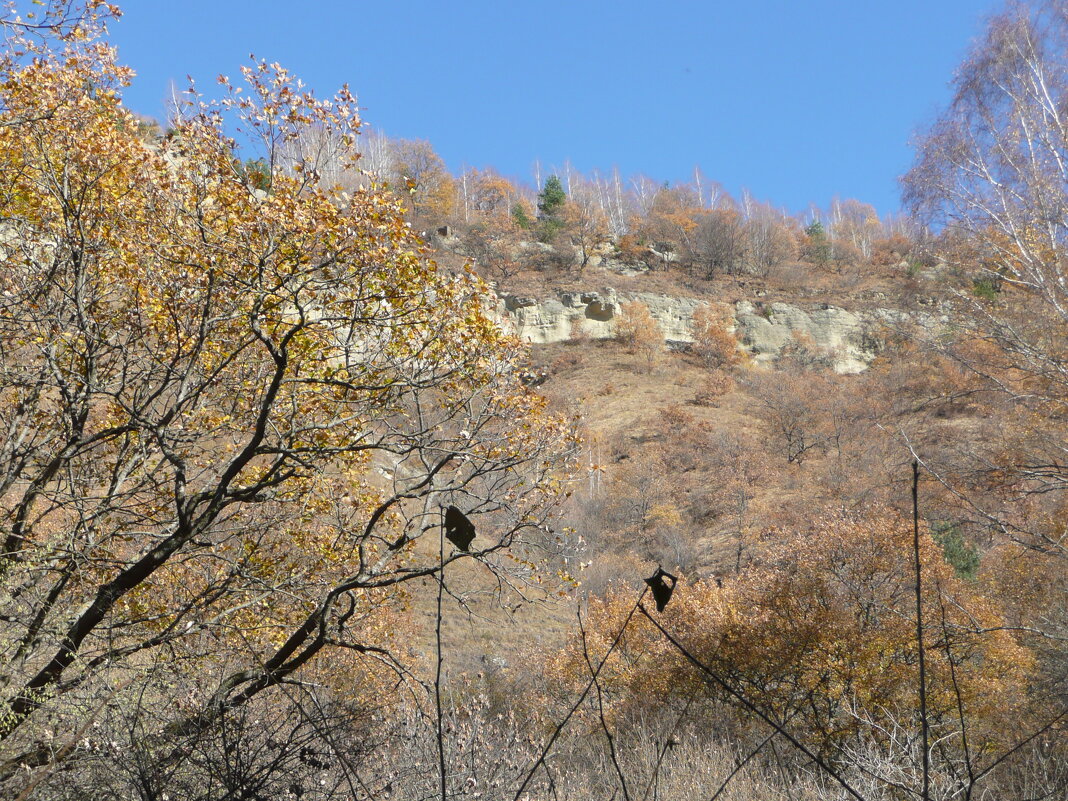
711 340
487 195
990 177
638 332
817 633
231 411
420 173
585 227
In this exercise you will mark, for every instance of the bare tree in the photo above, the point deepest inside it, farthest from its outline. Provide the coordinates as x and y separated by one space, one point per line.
993 171
719 242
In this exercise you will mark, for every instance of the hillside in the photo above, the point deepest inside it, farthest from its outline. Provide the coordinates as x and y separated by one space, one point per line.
687 459
328 474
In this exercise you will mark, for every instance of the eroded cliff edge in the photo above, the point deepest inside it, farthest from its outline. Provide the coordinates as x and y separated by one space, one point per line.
850 338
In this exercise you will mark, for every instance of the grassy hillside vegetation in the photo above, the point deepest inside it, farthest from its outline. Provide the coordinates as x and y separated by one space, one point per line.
253 392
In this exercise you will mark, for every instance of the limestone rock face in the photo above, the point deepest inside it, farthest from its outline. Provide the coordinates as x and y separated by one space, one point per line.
593 314
847 338
843 335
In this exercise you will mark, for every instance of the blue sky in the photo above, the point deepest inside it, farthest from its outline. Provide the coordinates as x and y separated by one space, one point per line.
796 101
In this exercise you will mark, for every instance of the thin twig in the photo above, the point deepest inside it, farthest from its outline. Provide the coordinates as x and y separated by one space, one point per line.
924 730
437 670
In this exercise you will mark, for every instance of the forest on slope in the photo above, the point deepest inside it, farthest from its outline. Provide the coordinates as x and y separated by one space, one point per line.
288 514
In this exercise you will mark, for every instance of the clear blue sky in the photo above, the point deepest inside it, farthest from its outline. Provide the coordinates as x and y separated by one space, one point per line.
797 100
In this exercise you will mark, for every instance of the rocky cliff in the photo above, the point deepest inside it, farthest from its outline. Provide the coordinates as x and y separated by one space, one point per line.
547 320
849 339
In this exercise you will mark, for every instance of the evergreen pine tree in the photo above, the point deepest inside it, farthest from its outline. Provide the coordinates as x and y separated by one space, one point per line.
552 197
550 203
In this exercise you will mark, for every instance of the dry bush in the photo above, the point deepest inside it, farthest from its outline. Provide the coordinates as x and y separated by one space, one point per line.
844 254
605 569
713 387
676 419
638 332
793 408
639 500
802 354
681 761
820 627
718 242
566 360
577 332
769 243
794 277
630 250
891 250
741 466
492 245
712 342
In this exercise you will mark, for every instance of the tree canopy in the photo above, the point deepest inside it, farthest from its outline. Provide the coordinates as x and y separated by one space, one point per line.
231 408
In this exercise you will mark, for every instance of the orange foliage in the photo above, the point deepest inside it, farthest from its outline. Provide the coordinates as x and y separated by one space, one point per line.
630 249
199 365
820 631
712 342
638 331
488 194
717 384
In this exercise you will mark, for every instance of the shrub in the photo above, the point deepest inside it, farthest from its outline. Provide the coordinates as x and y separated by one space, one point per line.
638 332
958 552
711 340
820 627
520 216
985 289
630 249
717 384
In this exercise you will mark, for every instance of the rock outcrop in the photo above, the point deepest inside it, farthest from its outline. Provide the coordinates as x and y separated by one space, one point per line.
844 336
848 339
593 314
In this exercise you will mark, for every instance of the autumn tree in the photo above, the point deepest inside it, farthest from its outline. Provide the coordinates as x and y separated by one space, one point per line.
719 242
804 413
638 332
857 224
818 634
232 412
671 222
711 340
487 195
491 236
586 227
639 504
769 241
419 172
990 172
990 176
493 246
